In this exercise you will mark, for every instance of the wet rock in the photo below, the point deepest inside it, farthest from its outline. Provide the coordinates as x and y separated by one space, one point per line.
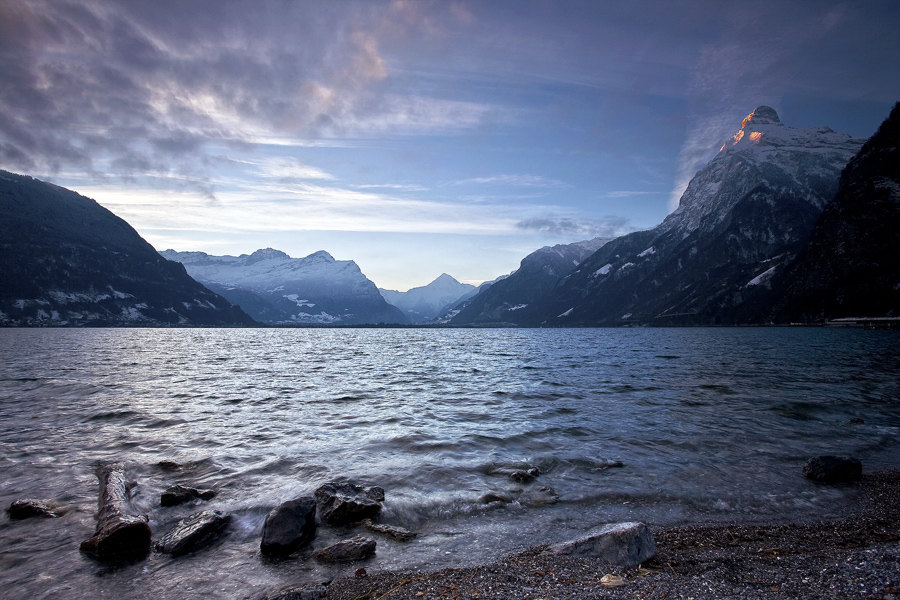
622 544
490 497
168 466
611 581
179 494
613 464
294 592
856 421
540 496
193 533
833 469
345 503
398 533
289 527
30 507
120 534
356 548
524 476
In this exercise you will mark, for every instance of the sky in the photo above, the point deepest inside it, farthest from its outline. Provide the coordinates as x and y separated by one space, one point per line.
416 137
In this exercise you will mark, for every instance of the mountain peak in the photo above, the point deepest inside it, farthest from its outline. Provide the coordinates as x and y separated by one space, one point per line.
267 253
322 255
762 115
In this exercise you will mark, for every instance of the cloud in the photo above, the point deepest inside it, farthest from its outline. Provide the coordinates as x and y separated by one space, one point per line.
514 180
288 168
584 228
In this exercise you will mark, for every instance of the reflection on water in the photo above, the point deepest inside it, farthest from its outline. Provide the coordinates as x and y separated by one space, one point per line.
707 424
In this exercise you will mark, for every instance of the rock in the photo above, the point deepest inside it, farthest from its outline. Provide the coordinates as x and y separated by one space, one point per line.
611 581
856 421
623 544
179 494
168 466
494 497
294 591
193 533
398 533
30 507
345 503
526 476
289 527
541 496
120 534
833 469
356 548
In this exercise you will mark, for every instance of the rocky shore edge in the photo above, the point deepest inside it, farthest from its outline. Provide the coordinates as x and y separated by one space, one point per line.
854 557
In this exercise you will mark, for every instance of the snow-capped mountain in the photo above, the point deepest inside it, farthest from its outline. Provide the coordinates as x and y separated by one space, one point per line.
739 220
67 261
275 288
425 303
851 267
537 274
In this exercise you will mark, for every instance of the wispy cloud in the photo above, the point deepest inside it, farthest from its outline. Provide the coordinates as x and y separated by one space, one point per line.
584 228
513 180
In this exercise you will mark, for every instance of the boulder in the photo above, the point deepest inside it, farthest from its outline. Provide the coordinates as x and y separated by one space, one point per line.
356 548
120 534
179 494
346 503
30 507
288 527
193 533
541 496
398 533
833 469
622 544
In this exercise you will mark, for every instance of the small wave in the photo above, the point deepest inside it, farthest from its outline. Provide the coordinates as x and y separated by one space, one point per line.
113 415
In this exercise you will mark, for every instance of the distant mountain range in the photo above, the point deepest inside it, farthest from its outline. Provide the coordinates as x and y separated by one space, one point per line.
425 303
783 225
67 261
742 220
274 288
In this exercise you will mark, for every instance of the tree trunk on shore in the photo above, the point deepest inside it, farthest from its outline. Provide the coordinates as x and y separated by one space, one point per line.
120 533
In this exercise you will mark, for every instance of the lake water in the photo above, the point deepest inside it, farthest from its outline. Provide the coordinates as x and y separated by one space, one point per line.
709 425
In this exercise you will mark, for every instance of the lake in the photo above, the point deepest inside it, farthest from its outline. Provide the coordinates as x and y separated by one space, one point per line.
666 426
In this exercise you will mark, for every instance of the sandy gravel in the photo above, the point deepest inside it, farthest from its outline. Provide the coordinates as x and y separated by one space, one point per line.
856 557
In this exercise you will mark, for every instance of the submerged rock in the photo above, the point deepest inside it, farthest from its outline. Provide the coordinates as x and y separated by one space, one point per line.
120 534
30 507
193 533
524 476
540 496
490 497
179 494
288 527
833 469
622 544
346 503
356 548
398 533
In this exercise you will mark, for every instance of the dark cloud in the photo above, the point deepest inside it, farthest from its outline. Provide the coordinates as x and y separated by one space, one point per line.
581 228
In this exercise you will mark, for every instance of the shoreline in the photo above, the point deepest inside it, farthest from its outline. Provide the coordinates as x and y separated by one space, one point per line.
853 557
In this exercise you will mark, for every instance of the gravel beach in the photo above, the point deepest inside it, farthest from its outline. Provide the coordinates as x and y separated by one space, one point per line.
854 557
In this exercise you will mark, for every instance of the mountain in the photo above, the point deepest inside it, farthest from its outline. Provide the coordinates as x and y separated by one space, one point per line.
741 218
275 288
851 267
537 274
426 302
67 261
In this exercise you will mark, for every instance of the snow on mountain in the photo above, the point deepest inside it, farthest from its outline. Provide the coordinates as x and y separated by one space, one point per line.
425 303
275 288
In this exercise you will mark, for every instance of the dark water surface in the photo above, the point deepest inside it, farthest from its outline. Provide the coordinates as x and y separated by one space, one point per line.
710 424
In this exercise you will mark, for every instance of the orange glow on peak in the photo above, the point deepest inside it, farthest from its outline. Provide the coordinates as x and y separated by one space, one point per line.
756 136
723 146
746 120
738 136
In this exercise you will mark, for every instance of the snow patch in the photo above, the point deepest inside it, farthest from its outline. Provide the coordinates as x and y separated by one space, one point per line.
762 277
567 313
604 270
626 265
647 252
518 306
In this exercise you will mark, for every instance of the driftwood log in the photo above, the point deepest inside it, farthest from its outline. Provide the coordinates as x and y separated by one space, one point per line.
120 533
